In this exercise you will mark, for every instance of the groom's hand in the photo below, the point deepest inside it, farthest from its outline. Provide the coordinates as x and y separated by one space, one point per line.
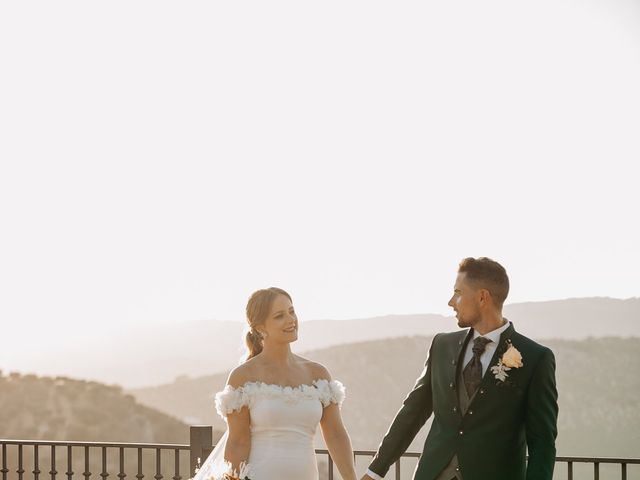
366 477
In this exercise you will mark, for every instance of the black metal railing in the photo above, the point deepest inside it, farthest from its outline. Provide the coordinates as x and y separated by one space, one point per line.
88 456
151 460
596 462
368 454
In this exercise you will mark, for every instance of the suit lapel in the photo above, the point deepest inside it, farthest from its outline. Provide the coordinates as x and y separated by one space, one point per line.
488 375
505 337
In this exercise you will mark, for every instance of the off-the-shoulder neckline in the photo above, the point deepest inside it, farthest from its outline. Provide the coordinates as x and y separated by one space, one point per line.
313 384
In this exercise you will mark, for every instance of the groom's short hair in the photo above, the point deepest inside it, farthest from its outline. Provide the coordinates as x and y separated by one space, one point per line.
488 274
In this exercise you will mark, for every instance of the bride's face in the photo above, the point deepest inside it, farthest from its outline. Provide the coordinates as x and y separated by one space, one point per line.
282 323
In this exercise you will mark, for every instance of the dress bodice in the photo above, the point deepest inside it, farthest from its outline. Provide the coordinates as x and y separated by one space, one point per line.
283 424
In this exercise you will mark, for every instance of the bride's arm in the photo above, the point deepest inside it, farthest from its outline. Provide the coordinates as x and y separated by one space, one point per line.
338 441
238 445
239 441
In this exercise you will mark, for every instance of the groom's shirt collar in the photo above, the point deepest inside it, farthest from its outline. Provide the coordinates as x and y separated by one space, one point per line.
490 348
494 335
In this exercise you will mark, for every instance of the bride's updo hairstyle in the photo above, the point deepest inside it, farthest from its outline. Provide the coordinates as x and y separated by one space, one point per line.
258 308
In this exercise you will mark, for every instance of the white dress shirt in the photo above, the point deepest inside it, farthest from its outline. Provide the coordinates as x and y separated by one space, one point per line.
485 359
489 350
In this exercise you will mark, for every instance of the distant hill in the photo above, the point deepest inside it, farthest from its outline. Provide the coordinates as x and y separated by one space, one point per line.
62 408
597 381
46 408
147 357
577 318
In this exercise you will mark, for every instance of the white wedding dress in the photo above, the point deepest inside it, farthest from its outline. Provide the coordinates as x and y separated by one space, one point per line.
283 426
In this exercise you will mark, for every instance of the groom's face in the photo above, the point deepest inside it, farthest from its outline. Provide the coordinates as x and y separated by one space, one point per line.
465 302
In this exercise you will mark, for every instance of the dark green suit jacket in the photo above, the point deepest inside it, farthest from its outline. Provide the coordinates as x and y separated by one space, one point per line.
504 419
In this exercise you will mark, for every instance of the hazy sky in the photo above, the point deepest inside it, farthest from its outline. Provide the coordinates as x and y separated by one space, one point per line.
162 160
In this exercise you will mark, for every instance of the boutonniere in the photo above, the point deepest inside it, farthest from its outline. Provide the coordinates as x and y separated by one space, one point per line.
512 358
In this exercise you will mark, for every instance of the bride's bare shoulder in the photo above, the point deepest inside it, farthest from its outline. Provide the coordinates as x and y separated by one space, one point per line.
316 370
242 374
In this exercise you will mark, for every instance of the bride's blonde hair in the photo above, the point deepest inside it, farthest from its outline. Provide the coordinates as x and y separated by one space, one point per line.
258 308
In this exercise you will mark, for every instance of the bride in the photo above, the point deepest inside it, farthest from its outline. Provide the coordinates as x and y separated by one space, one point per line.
273 403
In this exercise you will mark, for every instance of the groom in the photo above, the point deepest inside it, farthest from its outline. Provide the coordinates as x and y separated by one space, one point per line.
491 390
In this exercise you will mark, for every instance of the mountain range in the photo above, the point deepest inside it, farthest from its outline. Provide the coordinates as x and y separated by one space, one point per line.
147 356
598 391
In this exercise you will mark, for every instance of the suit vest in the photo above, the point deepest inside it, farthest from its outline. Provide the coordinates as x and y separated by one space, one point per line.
452 471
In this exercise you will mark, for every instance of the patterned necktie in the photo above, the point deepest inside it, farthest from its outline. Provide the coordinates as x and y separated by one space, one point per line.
472 373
